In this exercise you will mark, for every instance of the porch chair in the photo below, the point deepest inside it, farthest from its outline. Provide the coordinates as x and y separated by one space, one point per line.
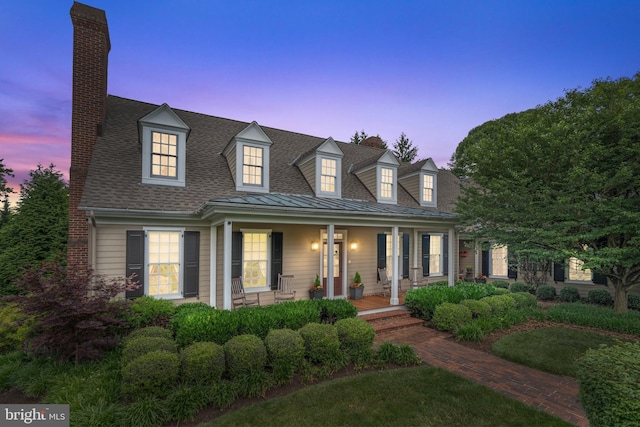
384 280
285 290
239 297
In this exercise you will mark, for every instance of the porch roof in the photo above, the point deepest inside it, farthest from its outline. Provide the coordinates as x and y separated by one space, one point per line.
304 202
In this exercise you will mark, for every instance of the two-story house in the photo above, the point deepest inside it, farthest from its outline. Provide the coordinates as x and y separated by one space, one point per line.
188 201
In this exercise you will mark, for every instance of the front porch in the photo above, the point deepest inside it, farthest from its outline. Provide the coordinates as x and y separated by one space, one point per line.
377 303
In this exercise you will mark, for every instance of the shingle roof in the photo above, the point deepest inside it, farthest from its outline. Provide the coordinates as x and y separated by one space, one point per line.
114 176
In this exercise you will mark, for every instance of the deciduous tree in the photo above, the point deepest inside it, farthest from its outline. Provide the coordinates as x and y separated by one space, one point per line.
561 180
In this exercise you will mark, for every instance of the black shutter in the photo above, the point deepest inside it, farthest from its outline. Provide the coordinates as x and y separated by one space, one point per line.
191 264
599 278
426 241
445 254
558 272
485 263
405 255
276 258
512 272
236 254
382 251
135 261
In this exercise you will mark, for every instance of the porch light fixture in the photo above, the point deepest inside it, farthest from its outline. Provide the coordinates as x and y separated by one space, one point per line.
354 246
315 246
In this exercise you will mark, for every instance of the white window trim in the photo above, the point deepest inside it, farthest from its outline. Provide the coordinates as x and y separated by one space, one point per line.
179 294
494 276
240 185
441 266
394 184
338 188
147 177
267 287
434 202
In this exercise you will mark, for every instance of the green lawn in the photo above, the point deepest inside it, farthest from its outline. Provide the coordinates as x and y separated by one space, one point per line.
424 396
553 350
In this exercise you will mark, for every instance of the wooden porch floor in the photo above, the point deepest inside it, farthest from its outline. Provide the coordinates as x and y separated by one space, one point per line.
375 302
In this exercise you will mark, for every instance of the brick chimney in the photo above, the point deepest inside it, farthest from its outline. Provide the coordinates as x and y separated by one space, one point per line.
91 47
372 141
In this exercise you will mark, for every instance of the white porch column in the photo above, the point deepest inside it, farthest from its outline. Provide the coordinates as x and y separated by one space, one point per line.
329 254
394 262
226 254
452 253
213 272
477 262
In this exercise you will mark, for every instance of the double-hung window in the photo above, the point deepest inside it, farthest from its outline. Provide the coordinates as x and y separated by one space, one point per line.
255 259
427 189
164 249
577 272
328 175
252 165
164 155
386 183
435 254
499 261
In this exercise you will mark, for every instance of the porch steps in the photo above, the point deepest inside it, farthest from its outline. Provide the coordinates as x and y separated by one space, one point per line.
392 320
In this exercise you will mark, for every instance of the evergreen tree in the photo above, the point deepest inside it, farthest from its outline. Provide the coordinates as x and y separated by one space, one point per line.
5 213
4 173
38 229
404 150
358 137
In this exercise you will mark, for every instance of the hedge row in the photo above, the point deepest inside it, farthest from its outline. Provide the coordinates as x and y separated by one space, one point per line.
199 322
423 302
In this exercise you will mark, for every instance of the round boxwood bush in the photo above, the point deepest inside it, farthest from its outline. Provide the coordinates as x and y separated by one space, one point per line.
524 300
356 339
501 291
285 351
245 354
202 362
478 308
546 293
500 303
569 294
154 373
321 343
633 302
449 316
599 297
521 287
136 347
151 331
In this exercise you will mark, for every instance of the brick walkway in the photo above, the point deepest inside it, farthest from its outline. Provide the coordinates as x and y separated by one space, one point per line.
553 394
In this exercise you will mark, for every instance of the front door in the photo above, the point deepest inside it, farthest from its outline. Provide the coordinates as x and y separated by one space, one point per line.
337 269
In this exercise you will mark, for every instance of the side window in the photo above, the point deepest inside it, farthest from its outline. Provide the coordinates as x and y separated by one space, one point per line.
499 266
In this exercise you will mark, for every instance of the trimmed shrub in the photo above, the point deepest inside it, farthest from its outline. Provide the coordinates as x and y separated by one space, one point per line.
478 308
202 362
469 332
333 310
356 340
502 291
147 310
524 300
503 284
633 302
609 385
441 283
569 294
521 287
140 346
599 297
546 293
285 350
150 331
423 302
245 354
321 344
500 303
154 373
449 317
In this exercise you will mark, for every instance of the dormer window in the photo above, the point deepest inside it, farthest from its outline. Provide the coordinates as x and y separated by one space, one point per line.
386 183
328 175
164 155
252 165
247 155
163 136
427 188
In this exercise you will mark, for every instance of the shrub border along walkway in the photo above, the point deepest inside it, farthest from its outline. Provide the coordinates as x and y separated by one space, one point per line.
553 394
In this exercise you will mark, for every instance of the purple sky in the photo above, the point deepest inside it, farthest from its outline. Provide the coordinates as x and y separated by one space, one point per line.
431 69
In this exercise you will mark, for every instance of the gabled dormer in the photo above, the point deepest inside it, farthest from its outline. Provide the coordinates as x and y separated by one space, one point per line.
248 157
163 136
421 181
322 168
381 177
